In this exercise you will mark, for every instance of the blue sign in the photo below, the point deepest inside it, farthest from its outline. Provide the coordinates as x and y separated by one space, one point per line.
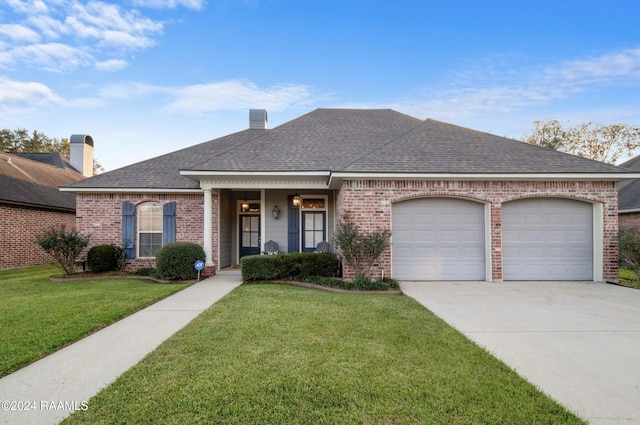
199 265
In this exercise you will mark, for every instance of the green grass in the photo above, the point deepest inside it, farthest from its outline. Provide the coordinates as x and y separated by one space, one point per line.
628 278
272 354
38 317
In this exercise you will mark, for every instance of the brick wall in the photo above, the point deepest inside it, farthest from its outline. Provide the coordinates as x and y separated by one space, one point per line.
627 220
369 203
100 217
19 227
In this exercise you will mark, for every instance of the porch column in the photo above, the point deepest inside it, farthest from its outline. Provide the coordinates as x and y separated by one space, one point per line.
208 227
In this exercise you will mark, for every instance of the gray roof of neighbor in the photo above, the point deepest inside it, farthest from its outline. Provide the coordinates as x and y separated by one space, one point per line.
351 141
629 191
34 180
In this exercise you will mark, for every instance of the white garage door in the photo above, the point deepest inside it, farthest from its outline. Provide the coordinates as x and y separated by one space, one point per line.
547 239
438 239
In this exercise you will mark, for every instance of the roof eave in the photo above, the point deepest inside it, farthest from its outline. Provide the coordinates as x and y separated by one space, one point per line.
488 176
128 190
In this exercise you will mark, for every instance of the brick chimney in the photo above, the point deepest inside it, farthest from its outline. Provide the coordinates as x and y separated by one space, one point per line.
81 152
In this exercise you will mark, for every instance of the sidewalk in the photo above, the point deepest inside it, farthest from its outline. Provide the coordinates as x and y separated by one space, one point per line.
50 389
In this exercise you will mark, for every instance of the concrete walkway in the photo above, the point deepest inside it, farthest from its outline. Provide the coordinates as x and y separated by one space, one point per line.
50 389
579 342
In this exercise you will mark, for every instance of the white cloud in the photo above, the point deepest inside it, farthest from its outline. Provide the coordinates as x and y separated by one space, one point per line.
111 26
111 65
486 92
17 92
605 69
234 94
53 57
170 4
33 6
100 33
19 33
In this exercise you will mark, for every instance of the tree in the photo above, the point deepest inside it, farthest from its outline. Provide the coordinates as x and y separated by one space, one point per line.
359 249
63 245
606 143
20 141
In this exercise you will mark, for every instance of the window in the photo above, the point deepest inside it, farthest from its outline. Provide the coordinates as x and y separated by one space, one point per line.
149 229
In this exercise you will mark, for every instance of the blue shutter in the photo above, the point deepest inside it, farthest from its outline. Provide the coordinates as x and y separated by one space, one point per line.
128 228
293 221
168 223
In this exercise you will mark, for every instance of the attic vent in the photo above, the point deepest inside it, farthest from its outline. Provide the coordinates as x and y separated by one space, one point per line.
258 119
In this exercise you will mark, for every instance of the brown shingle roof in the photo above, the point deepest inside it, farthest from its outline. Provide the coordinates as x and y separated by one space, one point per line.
31 182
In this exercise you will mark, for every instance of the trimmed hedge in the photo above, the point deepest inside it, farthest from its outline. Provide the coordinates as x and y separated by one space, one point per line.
104 258
291 266
175 260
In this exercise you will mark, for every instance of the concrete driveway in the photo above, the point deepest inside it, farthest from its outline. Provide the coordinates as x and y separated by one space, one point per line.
577 341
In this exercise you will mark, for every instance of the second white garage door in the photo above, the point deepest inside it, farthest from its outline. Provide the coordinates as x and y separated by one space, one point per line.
438 239
547 239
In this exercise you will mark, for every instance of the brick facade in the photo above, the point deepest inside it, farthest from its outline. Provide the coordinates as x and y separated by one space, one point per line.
369 202
100 217
19 227
627 220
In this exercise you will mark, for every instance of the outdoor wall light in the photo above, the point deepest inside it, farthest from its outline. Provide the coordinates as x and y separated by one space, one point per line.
296 200
276 212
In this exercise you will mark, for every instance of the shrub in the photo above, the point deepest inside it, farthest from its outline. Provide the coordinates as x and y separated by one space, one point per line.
104 258
292 266
357 284
175 260
147 271
359 249
261 267
630 248
63 245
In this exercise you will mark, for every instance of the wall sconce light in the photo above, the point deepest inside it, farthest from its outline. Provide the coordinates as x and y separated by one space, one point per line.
276 212
296 200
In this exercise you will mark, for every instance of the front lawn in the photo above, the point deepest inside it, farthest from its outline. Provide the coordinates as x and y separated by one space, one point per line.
272 354
37 316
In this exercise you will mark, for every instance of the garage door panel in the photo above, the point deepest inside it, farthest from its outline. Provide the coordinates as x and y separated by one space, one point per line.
448 240
547 239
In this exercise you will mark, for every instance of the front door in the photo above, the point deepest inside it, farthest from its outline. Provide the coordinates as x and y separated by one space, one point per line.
313 231
249 235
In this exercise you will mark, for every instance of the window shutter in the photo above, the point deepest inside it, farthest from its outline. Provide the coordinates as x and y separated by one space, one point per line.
293 220
128 228
168 223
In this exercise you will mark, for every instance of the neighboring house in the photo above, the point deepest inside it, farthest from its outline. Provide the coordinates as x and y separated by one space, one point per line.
629 197
31 202
461 204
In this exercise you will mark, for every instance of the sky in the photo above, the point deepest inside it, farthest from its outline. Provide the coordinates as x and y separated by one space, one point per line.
148 77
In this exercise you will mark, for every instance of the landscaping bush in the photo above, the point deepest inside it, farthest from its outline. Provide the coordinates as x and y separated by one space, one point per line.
104 258
147 271
292 266
63 245
261 267
175 260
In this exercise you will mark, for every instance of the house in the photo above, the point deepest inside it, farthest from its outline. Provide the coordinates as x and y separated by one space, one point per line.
461 204
31 202
629 197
